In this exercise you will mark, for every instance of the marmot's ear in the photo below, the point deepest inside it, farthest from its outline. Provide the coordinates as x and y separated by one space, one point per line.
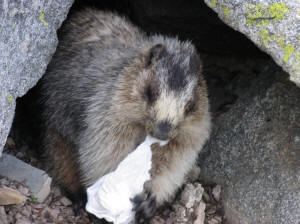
154 54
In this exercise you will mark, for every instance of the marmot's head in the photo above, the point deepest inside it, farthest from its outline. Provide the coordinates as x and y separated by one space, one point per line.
171 88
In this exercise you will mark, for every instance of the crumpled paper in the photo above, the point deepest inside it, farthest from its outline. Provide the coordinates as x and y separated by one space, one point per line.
109 197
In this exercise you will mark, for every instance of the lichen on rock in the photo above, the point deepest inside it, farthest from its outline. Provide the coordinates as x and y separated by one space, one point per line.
9 98
42 19
272 25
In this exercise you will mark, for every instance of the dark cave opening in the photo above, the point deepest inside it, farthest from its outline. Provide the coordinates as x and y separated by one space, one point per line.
192 20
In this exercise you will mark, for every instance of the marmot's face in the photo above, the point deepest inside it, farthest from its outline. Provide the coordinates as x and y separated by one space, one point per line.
171 91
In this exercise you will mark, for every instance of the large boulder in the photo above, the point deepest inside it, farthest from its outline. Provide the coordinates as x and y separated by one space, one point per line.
273 25
254 153
27 42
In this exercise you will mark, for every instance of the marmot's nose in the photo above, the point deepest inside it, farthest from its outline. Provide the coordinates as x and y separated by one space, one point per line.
162 130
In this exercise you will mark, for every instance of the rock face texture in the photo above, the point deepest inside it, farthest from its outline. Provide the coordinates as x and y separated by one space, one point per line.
254 153
27 42
273 25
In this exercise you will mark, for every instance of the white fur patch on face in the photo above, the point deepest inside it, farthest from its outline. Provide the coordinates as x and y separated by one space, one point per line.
171 105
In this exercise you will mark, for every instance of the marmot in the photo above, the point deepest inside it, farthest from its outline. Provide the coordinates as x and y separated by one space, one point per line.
107 87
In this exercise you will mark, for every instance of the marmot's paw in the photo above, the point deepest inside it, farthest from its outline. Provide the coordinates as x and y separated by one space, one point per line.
144 206
93 219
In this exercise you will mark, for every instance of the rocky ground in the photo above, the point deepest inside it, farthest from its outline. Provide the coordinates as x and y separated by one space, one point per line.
193 205
196 203
55 209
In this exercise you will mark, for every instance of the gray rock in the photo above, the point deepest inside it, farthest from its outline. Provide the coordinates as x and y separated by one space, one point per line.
215 220
65 201
254 153
188 196
200 213
190 207
216 192
27 42
273 25
3 216
37 180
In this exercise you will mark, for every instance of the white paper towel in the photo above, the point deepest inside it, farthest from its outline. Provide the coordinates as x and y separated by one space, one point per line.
110 196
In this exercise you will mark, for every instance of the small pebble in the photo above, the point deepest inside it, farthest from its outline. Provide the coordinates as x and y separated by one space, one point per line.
23 220
26 211
23 190
54 213
218 218
65 201
188 196
4 182
215 220
38 206
56 192
60 218
206 197
200 213
20 155
157 220
216 192
211 210
3 216
169 221
18 216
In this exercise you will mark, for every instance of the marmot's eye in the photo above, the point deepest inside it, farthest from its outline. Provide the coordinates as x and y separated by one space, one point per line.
149 94
190 107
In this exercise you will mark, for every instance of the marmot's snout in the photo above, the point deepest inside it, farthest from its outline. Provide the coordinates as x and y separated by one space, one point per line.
162 130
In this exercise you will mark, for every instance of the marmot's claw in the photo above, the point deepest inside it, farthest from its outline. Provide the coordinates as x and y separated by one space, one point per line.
144 206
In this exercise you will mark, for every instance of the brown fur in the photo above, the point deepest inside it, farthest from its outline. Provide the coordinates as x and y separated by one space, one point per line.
106 88
64 164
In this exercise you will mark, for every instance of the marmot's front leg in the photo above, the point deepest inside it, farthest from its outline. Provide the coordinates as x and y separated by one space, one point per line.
170 164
